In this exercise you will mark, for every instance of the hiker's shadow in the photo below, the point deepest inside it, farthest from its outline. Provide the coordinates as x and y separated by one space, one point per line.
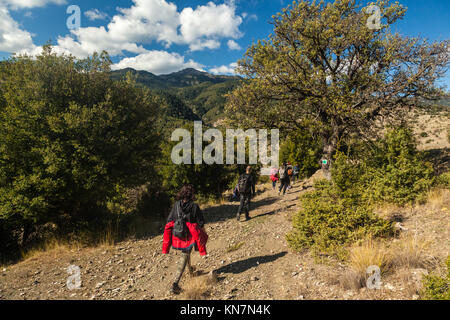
228 211
244 265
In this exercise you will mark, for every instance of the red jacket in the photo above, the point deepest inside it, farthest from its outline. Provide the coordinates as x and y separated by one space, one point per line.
196 236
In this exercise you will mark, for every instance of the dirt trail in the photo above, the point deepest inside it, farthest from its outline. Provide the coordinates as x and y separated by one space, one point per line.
261 266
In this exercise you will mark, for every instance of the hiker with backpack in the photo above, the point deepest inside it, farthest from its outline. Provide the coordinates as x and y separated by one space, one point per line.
295 176
284 178
185 231
290 172
246 188
274 177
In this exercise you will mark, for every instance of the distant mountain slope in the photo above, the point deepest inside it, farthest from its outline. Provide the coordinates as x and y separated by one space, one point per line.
191 77
184 78
176 107
190 94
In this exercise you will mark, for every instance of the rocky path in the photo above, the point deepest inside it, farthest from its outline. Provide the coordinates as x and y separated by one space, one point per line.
251 260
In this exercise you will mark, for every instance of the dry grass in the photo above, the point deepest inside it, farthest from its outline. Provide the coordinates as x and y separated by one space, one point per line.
410 252
53 247
198 288
352 280
57 246
370 253
410 283
361 256
438 198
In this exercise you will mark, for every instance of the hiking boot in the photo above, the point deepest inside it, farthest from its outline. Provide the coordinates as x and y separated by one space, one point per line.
175 289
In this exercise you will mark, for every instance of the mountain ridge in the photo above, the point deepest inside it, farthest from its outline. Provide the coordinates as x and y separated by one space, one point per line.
179 79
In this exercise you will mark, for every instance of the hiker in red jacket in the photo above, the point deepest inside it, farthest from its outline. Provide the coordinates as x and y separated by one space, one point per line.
191 218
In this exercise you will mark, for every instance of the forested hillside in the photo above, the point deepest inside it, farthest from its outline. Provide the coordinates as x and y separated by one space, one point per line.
189 94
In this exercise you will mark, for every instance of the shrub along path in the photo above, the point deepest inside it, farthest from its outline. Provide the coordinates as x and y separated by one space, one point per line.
251 260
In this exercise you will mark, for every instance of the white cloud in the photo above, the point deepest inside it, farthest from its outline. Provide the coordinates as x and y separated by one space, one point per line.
93 39
233 45
203 44
12 38
229 69
253 17
157 20
210 21
157 62
144 22
95 14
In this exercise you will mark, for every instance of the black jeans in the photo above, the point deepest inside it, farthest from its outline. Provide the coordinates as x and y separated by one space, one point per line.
283 185
244 205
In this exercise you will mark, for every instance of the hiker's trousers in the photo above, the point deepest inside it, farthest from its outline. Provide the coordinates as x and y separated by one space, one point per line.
283 186
245 204
185 261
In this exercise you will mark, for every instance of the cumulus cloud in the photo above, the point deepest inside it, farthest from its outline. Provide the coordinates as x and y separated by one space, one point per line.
144 22
233 45
225 69
210 21
158 20
93 39
12 37
157 62
95 14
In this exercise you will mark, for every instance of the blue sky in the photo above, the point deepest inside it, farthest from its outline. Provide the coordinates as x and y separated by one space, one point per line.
163 36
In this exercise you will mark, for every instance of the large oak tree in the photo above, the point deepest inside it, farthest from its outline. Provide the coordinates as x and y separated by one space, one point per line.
324 69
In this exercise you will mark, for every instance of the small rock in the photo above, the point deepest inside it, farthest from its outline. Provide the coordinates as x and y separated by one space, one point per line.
300 297
254 278
415 297
294 273
99 285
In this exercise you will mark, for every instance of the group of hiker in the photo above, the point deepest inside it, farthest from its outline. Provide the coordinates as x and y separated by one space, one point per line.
185 230
286 174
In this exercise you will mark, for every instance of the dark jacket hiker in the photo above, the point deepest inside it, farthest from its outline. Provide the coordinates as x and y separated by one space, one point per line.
246 187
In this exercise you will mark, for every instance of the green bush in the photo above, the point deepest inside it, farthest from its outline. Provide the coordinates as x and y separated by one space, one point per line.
302 149
443 180
339 212
209 181
436 287
70 140
390 170
328 221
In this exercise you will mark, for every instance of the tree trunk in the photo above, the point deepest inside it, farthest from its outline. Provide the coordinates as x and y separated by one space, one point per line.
329 149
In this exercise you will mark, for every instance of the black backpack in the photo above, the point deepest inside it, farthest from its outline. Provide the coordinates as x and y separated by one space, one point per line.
243 183
179 227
